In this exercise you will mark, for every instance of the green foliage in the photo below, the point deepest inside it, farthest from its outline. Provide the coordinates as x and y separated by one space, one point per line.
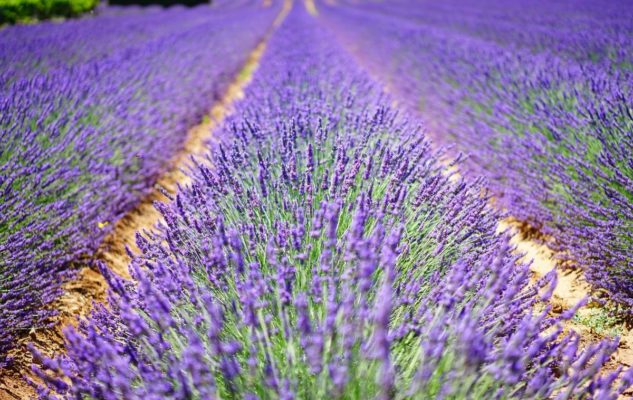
12 11
599 321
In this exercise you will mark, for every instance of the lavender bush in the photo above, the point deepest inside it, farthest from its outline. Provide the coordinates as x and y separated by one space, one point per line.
538 95
320 252
85 131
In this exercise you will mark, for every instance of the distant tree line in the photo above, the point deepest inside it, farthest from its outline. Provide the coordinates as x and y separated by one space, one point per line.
12 11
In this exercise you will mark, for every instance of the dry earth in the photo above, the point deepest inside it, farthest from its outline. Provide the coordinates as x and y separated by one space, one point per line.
571 288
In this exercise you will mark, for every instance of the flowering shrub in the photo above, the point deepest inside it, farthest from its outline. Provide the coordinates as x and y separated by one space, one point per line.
320 252
85 134
538 96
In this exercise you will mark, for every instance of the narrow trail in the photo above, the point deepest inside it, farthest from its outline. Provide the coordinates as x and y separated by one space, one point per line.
571 288
591 321
311 7
90 286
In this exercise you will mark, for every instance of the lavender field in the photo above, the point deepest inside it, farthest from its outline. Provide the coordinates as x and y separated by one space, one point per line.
319 199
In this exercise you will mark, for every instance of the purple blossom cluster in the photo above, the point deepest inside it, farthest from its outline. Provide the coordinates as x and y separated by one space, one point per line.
539 97
321 251
91 111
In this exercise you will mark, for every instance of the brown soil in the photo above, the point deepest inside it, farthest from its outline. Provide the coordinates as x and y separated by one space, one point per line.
90 286
571 288
311 7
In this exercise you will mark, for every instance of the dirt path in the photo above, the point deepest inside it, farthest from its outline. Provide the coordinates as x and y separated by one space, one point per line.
90 286
311 7
592 321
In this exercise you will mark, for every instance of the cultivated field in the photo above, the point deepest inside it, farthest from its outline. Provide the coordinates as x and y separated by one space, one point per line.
318 199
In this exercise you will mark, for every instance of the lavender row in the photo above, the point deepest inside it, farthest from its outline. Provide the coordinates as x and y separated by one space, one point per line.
84 142
321 252
550 129
30 50
585 30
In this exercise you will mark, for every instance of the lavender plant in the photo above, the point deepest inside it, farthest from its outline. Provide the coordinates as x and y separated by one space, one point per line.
542 109
84 136
320 251
30 50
